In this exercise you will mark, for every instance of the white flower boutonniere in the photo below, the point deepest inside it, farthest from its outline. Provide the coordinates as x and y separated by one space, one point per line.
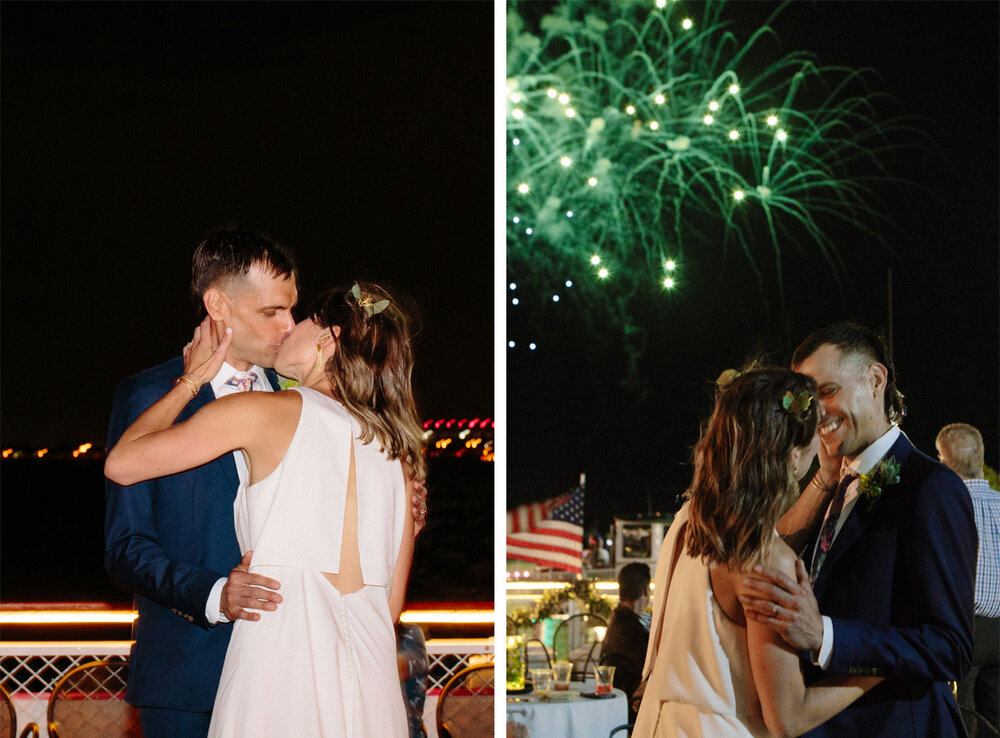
884 473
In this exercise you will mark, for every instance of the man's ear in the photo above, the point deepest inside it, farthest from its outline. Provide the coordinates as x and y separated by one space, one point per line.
216 304
878 375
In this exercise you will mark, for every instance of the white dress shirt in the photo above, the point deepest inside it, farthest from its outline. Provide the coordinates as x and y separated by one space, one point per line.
862 464
213 607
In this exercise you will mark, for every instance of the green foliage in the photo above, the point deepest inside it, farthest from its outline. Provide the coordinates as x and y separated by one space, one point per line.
992 477
554 600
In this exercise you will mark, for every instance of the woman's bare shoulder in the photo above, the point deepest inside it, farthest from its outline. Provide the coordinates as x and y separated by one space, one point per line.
781 557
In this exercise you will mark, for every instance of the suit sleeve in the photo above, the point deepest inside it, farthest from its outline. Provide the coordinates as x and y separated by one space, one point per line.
935 578
133 555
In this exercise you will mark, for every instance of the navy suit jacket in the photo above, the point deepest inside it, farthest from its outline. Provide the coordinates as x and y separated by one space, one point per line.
898 584
169 540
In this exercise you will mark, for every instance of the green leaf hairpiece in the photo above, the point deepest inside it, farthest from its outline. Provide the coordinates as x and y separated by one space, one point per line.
371 307
797 403
727 378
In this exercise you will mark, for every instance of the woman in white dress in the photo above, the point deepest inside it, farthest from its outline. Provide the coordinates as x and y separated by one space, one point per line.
708 671
324 510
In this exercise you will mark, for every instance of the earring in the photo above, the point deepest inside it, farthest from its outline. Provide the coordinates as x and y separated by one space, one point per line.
319 357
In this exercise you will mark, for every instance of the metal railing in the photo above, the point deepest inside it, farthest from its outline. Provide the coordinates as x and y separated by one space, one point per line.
29 670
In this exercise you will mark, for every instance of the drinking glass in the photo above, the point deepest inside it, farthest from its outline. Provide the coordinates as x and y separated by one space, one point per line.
541 682
605 677
563 671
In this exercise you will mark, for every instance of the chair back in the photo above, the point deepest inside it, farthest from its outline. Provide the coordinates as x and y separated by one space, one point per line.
572 634
615 731
465 707
8 717
533 660
976 725
89 702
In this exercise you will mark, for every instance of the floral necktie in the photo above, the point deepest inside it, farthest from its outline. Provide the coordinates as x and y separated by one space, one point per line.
243 381
830 526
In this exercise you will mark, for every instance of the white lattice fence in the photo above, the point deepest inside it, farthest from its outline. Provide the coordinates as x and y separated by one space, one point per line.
29 670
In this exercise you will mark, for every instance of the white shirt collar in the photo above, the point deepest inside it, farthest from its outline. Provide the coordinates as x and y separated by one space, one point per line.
867 459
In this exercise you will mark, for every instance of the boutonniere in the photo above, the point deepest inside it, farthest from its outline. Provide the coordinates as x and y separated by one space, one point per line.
286 383
884 473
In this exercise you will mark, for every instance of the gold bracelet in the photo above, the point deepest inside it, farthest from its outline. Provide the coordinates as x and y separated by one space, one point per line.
188 379
818 485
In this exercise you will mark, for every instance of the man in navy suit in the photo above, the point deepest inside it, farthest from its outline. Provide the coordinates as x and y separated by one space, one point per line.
893 563
172 540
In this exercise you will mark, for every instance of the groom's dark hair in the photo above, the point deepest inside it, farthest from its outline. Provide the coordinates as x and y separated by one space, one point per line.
852 338
230 251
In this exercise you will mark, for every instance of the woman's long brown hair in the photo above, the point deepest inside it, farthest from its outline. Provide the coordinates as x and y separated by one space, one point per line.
371 369
743 482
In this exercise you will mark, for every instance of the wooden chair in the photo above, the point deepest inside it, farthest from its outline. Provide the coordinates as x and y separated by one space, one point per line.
619 729
465 707
8 719
562 647
89 702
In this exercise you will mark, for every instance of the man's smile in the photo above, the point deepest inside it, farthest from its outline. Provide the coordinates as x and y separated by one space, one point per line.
829 427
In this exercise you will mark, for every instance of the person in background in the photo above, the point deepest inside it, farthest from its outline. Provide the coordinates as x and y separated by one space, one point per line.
596 555
960 448
627 638
413 665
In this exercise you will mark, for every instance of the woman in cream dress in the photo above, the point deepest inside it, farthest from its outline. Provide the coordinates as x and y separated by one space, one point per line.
324 511
709 672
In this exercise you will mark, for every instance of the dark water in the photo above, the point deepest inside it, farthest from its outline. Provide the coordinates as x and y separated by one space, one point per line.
52 533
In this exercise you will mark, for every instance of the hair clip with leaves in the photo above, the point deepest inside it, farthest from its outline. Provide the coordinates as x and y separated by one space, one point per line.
371 307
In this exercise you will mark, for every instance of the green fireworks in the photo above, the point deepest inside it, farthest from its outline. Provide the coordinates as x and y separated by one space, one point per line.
639 137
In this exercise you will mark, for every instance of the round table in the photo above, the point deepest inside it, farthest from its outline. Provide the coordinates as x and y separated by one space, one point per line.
577 717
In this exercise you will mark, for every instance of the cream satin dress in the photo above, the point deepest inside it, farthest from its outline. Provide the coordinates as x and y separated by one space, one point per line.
697 661
323 664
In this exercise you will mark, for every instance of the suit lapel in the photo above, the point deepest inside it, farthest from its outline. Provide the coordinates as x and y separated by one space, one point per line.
861 516
226 462
272 377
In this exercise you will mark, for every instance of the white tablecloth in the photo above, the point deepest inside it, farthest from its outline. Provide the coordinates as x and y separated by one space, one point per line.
578 718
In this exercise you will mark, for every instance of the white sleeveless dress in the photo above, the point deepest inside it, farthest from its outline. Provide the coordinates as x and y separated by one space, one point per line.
323 664
697 662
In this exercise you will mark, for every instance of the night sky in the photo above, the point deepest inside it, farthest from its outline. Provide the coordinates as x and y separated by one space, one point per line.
940 62
360 135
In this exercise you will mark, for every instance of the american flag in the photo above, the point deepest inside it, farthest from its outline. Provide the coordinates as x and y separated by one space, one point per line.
548 533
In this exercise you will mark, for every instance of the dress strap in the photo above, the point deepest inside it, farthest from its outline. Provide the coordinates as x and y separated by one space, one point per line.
673 546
